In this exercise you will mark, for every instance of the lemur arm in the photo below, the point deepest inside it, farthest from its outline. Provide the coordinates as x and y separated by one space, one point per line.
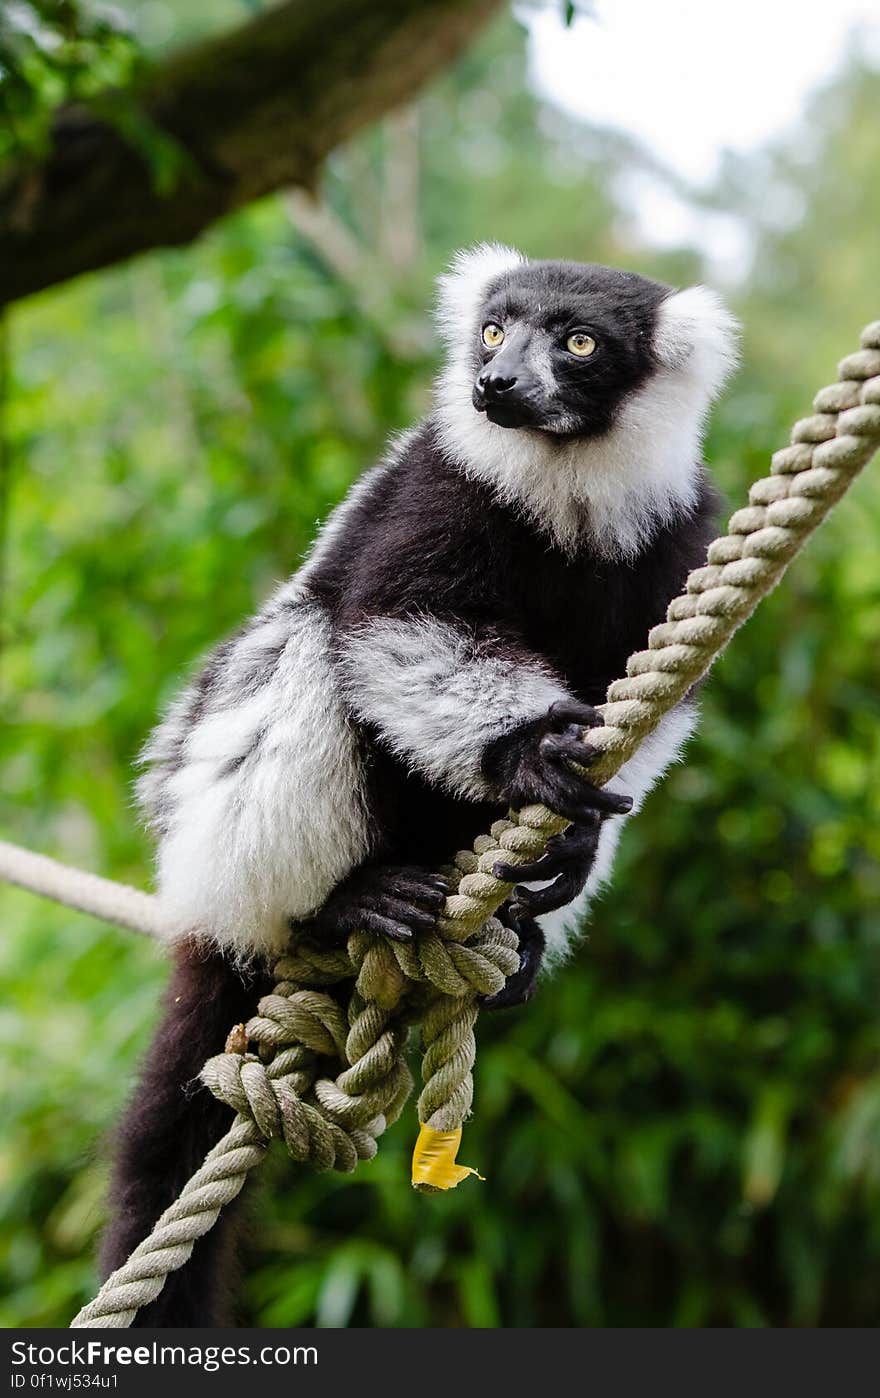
440 694
472 710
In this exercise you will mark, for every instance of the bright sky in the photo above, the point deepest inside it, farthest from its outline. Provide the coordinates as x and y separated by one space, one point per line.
691 78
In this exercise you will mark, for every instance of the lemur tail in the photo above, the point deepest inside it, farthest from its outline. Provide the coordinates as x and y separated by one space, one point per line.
170 1125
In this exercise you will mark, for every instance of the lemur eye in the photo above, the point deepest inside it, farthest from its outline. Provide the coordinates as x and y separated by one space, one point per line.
492 335
580 343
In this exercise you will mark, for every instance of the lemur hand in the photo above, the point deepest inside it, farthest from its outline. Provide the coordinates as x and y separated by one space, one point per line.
394 900
534 765
568 861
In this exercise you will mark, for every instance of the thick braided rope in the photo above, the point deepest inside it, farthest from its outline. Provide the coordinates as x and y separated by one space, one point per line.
329 1121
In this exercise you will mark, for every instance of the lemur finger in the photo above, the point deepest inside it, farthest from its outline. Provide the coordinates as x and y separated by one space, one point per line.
411 883
521 985
429 900
577 800
562 751
582 800
572 711
384 926
412 892
401 910
513 873
569 745
544 868
558 894
576 844
581 806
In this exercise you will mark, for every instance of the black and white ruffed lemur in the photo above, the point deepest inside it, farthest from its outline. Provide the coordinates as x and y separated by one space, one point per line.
434 661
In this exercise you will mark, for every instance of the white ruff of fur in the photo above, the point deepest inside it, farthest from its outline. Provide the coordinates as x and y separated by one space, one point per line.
617 489
439 697
635 778
260 796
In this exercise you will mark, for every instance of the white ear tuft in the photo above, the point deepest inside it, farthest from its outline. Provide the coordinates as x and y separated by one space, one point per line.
697 335
461 288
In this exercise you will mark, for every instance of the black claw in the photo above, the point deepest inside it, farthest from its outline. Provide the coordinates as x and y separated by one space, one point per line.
397 932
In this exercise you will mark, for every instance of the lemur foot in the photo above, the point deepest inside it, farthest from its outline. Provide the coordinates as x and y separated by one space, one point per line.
519 987
535 765
389 899
568 861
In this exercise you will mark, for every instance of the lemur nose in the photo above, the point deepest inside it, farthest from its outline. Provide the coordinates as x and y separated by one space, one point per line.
494 385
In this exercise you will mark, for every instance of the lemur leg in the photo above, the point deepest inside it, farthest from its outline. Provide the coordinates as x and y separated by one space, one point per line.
393 899
519 987
171 1124
568 862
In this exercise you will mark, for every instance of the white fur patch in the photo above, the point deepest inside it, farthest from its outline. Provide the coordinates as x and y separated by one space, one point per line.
460 292
635 778
439 695
258 789
697 337
617 489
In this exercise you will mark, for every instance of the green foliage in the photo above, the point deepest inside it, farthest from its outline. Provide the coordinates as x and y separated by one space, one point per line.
684 1127
55 51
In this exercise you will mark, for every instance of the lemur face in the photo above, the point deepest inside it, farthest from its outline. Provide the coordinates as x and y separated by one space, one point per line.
558 346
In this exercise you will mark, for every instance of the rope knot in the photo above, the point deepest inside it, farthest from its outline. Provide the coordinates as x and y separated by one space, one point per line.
273 1101
295 1016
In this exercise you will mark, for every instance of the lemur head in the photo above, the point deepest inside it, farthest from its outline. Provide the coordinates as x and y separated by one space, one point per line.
580 391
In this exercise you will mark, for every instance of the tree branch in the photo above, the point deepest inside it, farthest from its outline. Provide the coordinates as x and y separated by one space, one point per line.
249 112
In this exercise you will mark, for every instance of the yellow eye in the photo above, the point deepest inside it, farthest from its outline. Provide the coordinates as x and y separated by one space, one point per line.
580 343
492 335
